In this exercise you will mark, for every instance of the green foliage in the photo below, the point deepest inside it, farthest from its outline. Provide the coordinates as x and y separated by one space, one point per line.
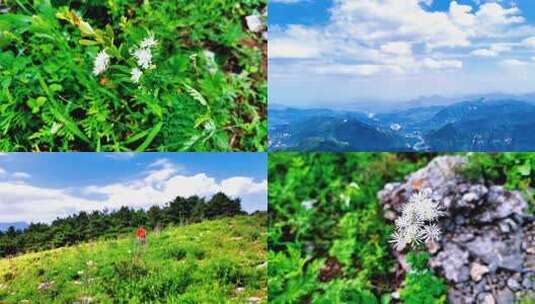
334 247
118 271
191 101
421 286
515 170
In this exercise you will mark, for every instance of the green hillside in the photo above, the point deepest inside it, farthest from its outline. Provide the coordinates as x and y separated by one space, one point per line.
218 261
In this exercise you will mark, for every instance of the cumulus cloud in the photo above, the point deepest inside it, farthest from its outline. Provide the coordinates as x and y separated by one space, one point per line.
295 42
161 183
493 51
369 37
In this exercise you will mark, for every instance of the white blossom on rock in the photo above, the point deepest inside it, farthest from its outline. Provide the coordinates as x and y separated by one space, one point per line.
415 223
101 63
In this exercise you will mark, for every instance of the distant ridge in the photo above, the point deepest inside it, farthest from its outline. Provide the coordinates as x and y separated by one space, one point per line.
480 124
17 225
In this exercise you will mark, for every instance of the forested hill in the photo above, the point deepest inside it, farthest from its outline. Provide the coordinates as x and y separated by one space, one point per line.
86 226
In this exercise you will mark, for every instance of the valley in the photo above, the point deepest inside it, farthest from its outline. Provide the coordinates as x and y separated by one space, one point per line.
467 125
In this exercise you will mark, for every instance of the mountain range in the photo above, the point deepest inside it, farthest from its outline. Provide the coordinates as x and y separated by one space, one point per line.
496 123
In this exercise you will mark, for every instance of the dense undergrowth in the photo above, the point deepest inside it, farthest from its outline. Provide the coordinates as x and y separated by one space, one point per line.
217 261
328 240
206 91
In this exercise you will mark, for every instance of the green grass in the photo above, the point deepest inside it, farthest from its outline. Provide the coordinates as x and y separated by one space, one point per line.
199 263
51 101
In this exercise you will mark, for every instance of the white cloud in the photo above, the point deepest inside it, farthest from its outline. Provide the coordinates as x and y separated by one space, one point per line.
160 184
295 42
120 155
529 42
493 51
369 37
442 64
355 69
2 171
401 42
397 48
513 63
241 185
21 175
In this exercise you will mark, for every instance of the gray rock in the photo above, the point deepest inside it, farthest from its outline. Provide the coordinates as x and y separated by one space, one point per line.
477 271
485 298
454 262
487 248
496 253
527 282
505 296
513 284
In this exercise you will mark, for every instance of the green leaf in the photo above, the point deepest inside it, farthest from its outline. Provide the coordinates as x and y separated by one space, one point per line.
525 169
196 95
87 42
150 138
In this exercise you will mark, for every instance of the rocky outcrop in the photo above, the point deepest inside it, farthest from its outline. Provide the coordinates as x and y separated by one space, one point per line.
487 250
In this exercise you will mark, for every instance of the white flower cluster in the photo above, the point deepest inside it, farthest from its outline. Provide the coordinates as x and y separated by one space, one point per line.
415 224
143 55
101 63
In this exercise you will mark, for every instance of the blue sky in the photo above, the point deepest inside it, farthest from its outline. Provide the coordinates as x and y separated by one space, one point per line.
43 186
333 52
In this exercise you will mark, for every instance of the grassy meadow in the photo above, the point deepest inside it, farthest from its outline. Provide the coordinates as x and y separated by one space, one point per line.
217 261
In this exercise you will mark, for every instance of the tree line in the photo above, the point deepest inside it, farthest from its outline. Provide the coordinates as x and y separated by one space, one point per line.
86 226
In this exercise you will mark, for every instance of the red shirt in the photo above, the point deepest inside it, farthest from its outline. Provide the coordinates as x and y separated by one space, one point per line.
141 233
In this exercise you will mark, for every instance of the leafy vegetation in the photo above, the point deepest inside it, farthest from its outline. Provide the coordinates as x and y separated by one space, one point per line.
217 261
205 89
514 170
328 240
421 286
85 226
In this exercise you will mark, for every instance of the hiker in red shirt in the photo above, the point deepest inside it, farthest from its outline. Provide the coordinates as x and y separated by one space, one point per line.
141 235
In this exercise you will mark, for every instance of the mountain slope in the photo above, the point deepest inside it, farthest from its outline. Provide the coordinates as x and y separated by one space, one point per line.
472 125
220 261
324 133
494 126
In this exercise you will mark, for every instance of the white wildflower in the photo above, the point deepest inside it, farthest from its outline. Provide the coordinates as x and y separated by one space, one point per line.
431 232
143 57
413 226
398 239
136 75
101 63
148 42
308 204
404 221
